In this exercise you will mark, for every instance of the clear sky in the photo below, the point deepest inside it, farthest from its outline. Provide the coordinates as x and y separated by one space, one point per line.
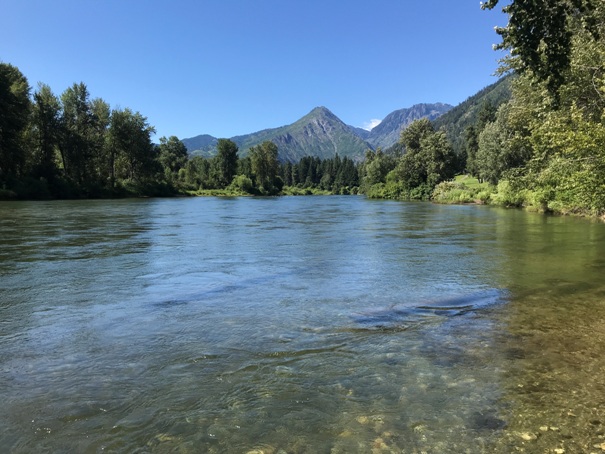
230 67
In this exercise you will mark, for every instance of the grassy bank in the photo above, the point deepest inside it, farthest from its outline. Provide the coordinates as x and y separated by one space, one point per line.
463 189
287 190
466 189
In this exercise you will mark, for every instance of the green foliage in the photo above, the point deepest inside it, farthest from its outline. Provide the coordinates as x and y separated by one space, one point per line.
508 194
242 184
260 173
466 115
76 144
396 190
172 157
265 166
15 108
570 159
45 130
490 160
539 35
464 189
294 190
452 192
376 167
131 155
225 161
7 194
32 188
330 176
429 158
196 174
546 147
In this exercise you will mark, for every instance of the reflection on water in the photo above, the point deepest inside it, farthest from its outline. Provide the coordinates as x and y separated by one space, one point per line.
295 325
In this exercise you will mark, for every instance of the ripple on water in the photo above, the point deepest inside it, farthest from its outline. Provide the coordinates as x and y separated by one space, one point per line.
298 325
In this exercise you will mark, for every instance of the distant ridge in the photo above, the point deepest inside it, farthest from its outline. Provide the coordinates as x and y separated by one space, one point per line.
387 133
321 133
203 142
455 121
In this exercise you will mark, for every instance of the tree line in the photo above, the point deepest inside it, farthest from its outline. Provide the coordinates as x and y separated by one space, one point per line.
75 146
260 172
72 145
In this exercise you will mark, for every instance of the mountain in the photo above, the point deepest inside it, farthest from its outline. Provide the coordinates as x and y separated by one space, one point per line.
387 133
204 144
321 133
360 132
465 114
203 141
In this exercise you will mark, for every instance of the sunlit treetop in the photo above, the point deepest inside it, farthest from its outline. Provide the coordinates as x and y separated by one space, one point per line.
539 35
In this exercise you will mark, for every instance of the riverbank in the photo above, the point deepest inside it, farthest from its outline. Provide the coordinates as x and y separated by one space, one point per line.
465 189
286 191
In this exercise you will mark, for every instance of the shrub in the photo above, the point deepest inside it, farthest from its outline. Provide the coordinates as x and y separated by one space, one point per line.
484 196
242 183
507 195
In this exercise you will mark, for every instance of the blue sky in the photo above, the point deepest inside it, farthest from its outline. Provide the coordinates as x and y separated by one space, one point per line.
229 67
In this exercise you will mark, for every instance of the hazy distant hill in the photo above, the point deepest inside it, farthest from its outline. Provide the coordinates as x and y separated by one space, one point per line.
387 133
321 133
464 114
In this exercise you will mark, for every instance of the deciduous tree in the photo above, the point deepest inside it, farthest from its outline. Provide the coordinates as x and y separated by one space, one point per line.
226 161
172 156
265 164
539 35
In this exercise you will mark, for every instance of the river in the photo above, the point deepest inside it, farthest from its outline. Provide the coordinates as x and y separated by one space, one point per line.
299 325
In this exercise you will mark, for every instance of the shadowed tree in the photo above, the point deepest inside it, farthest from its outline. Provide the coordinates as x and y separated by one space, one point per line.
131 150
77 122
226 161
46 125
14 116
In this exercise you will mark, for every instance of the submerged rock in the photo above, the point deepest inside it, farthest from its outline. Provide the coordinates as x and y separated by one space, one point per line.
528 436
363 419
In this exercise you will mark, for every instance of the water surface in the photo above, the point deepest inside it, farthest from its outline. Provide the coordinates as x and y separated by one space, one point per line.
299 325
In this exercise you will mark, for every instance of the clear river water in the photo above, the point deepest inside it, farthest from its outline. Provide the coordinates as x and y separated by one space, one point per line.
299 325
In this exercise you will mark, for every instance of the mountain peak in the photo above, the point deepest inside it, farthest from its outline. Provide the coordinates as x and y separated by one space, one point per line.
321 111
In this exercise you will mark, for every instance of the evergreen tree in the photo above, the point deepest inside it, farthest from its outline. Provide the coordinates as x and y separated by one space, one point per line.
15 108
46 130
